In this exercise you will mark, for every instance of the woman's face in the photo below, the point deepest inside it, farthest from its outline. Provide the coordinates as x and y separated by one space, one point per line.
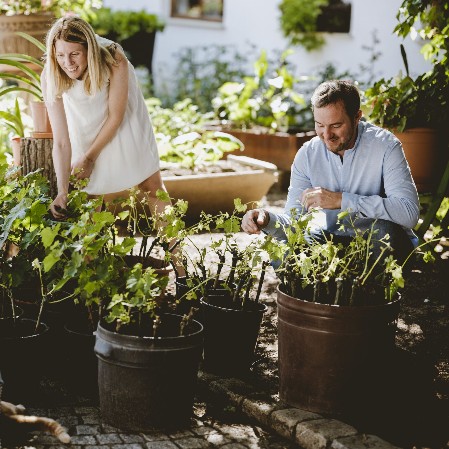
72 58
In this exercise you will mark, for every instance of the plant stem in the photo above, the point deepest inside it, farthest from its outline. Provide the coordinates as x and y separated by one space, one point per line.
262 276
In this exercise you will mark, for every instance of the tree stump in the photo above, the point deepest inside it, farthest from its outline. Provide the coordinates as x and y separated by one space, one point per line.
36 154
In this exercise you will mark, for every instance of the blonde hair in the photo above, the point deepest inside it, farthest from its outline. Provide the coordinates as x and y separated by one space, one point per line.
99 59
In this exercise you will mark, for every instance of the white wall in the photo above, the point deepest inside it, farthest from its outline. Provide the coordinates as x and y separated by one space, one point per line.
257 22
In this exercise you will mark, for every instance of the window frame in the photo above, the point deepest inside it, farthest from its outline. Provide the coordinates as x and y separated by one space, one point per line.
202 17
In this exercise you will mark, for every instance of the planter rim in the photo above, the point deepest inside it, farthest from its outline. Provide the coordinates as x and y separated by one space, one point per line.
136 340
263 307
43 328
213 175
29 17
338 306
308 132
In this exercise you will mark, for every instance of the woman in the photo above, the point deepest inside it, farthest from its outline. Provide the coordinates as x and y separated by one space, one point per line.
101 127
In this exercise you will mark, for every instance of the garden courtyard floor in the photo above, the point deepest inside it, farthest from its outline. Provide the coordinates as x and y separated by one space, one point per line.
416 414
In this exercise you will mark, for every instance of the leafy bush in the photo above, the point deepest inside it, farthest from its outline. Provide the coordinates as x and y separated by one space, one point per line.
267 99
200 71
84 8
119 25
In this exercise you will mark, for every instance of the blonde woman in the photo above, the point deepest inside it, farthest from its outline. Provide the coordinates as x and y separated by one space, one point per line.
101 127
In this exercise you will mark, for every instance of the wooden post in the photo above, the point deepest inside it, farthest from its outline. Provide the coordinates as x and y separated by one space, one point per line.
37 154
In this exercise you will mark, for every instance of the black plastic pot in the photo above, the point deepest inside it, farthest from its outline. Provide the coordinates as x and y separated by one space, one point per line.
334 359
139 48
184 305
81 365
22 356
147 383
230 335
9 314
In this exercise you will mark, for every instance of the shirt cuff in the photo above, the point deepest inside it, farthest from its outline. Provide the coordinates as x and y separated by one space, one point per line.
349 202
270 228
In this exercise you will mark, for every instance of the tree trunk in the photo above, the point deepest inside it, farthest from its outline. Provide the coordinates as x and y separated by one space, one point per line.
37 154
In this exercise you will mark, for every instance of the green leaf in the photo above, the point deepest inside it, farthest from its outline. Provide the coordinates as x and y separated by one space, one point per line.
48 235
50 260
239 207
162 195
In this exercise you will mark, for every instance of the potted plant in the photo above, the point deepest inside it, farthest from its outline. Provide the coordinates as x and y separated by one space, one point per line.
192 164
261 111
25 77
148 357
222 287
23 205
415 109
35 17
337 313
12 119
302 20
135 31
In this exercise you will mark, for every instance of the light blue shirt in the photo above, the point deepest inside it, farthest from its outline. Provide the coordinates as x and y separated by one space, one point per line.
374 178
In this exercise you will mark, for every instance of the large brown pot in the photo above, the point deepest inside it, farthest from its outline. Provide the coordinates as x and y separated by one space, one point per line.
279 148
36 25
422 153
334 359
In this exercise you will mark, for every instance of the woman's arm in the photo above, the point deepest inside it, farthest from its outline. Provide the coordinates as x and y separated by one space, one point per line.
118 100
62 150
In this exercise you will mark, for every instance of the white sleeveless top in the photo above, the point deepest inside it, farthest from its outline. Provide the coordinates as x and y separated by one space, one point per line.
131 156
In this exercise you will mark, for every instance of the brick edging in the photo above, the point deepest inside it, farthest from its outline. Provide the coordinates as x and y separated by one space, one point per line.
309 430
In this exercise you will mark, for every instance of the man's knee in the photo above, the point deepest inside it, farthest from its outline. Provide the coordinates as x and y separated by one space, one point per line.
398 238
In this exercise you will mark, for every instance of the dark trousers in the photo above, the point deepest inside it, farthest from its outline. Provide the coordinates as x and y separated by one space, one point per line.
400 242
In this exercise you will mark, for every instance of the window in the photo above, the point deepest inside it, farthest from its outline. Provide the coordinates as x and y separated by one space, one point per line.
198 9
335 17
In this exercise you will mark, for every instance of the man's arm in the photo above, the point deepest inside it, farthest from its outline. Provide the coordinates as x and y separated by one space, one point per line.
400 204
299 182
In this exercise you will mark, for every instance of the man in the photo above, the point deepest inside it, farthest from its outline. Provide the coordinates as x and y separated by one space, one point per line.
351 165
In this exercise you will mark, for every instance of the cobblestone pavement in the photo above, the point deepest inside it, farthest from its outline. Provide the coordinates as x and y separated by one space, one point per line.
210 427
228 413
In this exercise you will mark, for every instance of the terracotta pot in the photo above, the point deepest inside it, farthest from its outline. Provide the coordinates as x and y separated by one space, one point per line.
279 148
42 126
421 148
36 25
15 146
215 192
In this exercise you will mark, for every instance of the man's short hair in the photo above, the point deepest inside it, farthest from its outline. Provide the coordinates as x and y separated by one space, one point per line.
334 91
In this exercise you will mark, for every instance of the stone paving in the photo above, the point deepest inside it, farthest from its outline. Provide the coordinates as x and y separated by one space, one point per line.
87 431
227 414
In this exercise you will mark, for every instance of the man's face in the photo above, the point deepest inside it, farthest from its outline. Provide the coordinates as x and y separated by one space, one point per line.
335 128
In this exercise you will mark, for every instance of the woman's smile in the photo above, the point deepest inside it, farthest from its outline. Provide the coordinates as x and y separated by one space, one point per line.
72 58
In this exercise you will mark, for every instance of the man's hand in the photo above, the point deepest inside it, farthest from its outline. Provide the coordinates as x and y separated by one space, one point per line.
317 197
58 207
255 220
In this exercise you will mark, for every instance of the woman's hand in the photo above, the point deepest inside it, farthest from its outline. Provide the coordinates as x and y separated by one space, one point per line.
82 168
58 207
